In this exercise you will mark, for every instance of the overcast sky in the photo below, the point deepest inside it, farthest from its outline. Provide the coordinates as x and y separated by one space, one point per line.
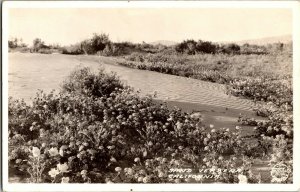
68 26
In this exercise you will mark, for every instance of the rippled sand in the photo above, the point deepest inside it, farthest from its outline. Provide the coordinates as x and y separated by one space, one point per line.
30 72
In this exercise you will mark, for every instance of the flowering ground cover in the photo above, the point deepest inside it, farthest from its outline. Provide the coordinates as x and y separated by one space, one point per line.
97 130
258 77
265 79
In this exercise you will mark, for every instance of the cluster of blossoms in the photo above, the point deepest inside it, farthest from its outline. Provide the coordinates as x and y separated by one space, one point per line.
275 133
97 130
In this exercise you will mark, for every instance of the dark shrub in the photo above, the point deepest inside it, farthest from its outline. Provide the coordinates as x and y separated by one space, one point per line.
206 47
83 81
95 44
16 43
39 44
13 43
187 46
72 50
230 48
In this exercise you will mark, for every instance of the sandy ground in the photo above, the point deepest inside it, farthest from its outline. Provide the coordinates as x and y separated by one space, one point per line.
220 117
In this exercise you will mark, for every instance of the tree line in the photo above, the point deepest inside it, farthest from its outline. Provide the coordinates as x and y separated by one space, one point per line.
101 44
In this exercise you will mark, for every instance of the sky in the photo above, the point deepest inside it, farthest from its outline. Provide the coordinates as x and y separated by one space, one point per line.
71 25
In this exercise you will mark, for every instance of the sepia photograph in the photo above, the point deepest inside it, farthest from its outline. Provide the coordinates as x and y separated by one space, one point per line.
137 93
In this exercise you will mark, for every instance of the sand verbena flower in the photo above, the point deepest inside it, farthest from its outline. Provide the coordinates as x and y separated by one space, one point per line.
36 152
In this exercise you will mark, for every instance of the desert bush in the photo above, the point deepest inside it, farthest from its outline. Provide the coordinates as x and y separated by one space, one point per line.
38 44
191 47
187 46
230 48
95 44
16 43
206 47
45 51
13 43
145 46
119 49
84 82
160 47
99 42
113 49
72 50
135 56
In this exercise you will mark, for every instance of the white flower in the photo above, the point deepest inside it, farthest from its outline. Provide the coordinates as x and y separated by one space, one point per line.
142 172
237 127
140 179
213 130
53 172
146 179
130 171
83 172
211 126
161 174
242 179
137 159
36 152
62 167
112 159
65 180
53 151
180 147
176 162
61 150
179 125
150 143
213 168
118 169
205 140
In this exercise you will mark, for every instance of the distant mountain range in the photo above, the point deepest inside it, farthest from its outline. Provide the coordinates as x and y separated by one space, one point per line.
267 40
164 42
260 41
